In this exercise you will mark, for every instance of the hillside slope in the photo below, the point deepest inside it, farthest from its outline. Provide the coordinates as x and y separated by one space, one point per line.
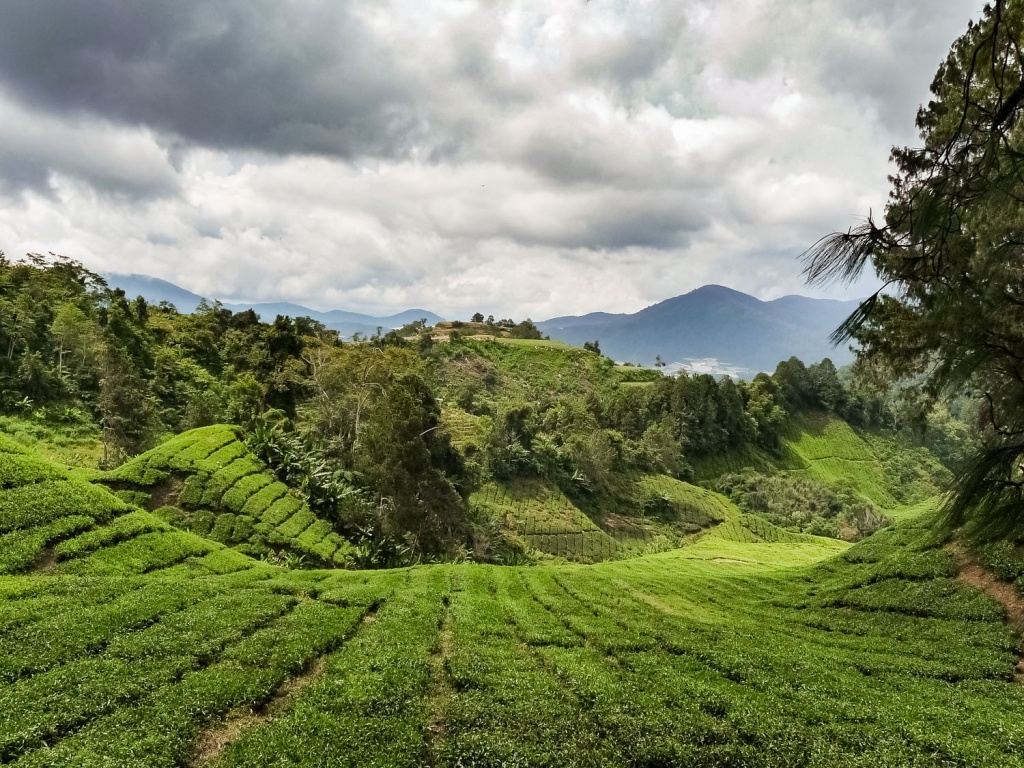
206 481
55 522
727 653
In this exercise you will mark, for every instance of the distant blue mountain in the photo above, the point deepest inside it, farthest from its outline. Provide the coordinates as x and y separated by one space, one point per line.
737 330
731 329
155 290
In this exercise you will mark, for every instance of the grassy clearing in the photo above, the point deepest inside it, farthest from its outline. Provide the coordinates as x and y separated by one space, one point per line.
535 343
525 368
67 445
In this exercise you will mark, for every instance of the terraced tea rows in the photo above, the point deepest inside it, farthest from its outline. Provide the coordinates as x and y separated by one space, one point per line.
206 481
663 513
651 661
126 642
830 451
542 517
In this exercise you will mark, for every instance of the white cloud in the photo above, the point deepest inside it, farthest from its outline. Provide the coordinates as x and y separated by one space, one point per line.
529 158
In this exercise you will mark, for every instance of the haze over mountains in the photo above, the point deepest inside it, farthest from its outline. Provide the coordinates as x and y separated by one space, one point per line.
155 290
713 322
713 328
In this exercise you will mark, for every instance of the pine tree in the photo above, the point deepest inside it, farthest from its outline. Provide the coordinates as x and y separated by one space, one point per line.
950 251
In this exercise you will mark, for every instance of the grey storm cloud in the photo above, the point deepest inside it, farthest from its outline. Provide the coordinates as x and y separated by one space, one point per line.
260 74
539 156
34 148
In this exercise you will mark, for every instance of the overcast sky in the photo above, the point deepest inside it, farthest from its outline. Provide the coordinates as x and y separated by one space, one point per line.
530 158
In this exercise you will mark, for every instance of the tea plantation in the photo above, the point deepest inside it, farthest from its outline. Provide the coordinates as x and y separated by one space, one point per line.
125 641
207 481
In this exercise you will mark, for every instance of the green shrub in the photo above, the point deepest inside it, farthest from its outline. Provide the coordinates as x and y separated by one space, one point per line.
1003 558
9 445
119 529
141 554
134 498
173 515
17 469
198 445
20 549
914 566
221 561
223 528
734 530
48 500
191 495
281 510
260 501
223 479
202 522
325 549
939 598
296 524
224 456
244 528
236 497
314 534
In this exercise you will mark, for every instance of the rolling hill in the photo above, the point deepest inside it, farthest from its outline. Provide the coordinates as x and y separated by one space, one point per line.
124 641
743 334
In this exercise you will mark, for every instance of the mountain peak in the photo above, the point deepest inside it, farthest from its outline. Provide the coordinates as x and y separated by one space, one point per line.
713 289
715 321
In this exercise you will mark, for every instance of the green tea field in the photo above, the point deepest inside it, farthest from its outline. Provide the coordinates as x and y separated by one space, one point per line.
127 642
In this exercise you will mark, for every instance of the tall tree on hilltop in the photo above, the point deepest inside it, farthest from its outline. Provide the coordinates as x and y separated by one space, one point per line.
950 251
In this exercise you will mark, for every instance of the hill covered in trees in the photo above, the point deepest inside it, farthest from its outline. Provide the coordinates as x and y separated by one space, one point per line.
407 447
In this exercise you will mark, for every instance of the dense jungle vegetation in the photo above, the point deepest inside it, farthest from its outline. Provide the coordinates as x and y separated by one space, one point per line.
400 441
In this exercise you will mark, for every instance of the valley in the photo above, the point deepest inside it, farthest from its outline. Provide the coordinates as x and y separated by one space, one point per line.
128 642
444 547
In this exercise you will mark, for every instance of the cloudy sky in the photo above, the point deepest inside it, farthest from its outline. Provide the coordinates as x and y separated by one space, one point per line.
524 158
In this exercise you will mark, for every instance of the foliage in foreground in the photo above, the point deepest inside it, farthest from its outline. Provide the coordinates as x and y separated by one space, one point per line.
727 653
951 309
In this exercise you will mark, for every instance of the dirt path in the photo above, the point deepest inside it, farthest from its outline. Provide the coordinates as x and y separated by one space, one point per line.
440 694
214 741
974 574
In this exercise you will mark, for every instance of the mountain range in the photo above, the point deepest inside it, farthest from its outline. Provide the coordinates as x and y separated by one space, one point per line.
711 329
155 290
716 329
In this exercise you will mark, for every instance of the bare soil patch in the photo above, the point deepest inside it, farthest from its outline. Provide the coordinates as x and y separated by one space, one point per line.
440 695
974 574
45 562
166 493
214 741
